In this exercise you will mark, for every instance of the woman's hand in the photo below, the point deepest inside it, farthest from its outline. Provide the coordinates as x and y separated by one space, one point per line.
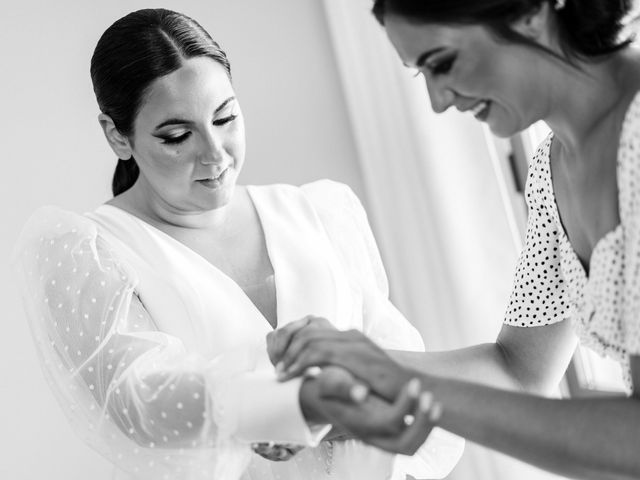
313 341
400 426
278 341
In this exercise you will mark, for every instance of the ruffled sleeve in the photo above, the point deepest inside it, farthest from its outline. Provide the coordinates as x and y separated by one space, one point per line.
134 393
347 226
539 294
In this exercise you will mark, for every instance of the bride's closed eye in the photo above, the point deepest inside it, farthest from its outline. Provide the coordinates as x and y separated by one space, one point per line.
225 120
174 140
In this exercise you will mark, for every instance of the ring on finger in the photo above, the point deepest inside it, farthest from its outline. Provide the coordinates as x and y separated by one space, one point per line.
408 420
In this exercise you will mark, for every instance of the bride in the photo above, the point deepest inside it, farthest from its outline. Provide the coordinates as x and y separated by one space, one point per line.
150 313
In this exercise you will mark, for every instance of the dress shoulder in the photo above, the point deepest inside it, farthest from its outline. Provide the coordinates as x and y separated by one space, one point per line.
52 236
346 222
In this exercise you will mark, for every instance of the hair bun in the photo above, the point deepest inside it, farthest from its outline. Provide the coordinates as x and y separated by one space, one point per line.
595 27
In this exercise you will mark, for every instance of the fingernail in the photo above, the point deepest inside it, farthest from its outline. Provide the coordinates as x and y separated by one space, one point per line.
312 372
413 387
359 393
426 400
436 412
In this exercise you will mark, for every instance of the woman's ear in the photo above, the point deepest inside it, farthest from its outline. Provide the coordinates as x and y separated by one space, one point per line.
534 25
119 143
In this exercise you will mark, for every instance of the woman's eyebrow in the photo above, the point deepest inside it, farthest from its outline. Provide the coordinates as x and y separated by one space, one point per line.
182 121
423 57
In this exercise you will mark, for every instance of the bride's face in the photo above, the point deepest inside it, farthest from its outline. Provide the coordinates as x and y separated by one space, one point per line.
189 138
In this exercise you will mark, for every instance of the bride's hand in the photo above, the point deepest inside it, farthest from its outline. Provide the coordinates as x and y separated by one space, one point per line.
313 342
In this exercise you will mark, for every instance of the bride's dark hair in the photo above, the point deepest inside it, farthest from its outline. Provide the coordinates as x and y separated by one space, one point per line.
132 53
587 27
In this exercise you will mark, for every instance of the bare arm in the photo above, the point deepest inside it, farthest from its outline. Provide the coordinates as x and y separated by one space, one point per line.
593 439
528 359
581 438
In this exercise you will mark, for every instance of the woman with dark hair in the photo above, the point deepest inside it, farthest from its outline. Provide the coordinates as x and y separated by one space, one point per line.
151 312
512 63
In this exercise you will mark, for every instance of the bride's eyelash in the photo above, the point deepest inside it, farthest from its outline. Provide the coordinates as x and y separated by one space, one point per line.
224 120
176 140
184 136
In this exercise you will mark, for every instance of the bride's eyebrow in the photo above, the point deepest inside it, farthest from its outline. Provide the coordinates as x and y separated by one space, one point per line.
182 121
224 104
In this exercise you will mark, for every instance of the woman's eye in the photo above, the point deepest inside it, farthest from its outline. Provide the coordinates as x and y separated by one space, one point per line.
224 120
176 140
442 67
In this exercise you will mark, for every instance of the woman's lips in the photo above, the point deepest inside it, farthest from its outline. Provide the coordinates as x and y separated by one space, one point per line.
214 182
481 110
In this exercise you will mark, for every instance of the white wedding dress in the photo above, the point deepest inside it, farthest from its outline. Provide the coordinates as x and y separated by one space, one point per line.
158 358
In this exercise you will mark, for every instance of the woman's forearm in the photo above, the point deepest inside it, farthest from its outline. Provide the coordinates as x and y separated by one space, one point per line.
582 438
527 359
484 364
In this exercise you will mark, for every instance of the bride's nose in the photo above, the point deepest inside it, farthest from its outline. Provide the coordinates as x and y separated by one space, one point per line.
212 149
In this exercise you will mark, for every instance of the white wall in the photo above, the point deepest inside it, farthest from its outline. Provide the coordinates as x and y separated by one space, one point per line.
54 153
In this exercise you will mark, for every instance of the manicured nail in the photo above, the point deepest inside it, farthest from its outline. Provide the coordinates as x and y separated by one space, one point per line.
413 387
359 393
426 400
312 372
436 412
279 367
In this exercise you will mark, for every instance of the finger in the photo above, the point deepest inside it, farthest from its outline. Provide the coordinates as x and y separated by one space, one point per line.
375 418
404 406
411 439
338 384
317 331
307 339
278 340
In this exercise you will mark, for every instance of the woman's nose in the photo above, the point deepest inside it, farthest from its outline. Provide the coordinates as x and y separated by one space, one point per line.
212 151
441 97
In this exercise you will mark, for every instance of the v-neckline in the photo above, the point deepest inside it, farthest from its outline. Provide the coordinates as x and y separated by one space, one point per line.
586 266
268 247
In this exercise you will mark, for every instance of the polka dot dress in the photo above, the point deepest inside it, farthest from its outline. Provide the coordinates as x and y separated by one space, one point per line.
550 282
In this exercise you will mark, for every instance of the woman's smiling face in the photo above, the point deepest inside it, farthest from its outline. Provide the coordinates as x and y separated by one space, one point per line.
189 139
465 66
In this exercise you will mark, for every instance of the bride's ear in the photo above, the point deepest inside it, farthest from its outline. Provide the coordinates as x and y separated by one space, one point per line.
119 143
534 25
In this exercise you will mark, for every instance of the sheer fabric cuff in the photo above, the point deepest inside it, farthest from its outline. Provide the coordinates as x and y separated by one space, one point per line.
261 409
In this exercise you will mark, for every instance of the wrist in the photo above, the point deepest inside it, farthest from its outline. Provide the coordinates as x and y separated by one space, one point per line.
310 402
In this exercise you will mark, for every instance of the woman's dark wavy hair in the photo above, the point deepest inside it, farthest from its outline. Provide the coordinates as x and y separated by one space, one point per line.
132 53
587 27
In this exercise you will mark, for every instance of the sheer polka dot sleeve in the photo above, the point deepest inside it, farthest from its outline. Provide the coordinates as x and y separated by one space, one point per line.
134 393
539 295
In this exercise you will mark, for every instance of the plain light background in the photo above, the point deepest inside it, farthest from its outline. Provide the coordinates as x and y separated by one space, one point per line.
54 152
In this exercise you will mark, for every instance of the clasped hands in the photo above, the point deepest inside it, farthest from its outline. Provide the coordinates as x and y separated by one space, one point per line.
354 385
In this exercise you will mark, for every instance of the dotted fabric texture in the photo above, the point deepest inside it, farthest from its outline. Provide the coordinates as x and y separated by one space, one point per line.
156 400
550 282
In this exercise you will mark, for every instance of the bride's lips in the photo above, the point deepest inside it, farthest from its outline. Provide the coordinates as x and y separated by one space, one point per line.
215 182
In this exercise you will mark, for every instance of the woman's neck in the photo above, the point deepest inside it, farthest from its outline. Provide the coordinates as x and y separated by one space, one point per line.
146 204
583 99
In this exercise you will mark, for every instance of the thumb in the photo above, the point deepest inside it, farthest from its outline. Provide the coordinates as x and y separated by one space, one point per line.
339 384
